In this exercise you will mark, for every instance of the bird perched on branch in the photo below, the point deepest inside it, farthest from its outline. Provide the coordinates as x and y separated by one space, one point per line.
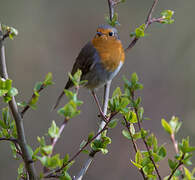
99 60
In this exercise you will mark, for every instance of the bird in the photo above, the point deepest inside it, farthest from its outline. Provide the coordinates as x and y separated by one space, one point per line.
99 60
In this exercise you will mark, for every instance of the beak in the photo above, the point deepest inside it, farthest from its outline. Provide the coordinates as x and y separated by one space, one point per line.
99 33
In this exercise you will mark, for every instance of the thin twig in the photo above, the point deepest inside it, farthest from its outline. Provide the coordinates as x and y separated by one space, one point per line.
54 141
77 153
146 145
33 96
9 139
148 21
175 144
134 145
179 164
17 117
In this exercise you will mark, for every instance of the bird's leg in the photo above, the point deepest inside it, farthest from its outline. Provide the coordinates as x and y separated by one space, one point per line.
98 104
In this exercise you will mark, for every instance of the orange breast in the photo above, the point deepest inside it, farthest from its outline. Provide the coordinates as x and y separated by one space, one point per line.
110 50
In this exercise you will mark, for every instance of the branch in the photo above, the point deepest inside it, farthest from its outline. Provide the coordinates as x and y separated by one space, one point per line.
175 144
179 165
149 20
50 174
9 139
33 96
134 145
17 117
54 141
102 125
147 147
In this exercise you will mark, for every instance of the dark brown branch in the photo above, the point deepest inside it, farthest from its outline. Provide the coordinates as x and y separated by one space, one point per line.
9 139
179 165
134 146
146 145
33 96
148 21
49 175
17 117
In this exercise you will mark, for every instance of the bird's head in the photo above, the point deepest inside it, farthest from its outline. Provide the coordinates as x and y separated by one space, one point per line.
106 32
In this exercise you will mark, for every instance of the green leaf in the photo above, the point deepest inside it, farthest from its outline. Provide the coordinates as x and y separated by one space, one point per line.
90 136
166 126
48 79
34 100
3 92
136 165
38 86
117 92
12 92
69 110
172 164
66 158
13 148
22 104
68 166
134 78
139 32
85 151
114 20
148 170
137 135
138 157
162 152
21 171
175 124
41 140
144 133
132 129
53 131
51 162
131 117
167 16
13 32
8 84
113 123
188 174
47 149
65 176
104 150
140 113
3 125
126 134
76 77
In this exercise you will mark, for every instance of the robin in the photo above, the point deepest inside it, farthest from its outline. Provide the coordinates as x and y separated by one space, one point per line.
99 60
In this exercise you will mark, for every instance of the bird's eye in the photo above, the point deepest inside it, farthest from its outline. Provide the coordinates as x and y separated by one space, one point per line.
111 33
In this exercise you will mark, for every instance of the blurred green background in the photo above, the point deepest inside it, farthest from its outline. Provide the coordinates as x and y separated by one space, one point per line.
51 34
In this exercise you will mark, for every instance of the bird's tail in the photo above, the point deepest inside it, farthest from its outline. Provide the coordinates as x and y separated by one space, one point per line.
58 101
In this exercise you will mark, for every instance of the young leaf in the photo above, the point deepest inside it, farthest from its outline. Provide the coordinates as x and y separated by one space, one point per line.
126 134
113 123
48 79
166 126
53 131
90 136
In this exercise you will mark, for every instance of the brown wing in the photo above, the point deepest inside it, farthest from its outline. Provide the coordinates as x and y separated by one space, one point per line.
84 61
